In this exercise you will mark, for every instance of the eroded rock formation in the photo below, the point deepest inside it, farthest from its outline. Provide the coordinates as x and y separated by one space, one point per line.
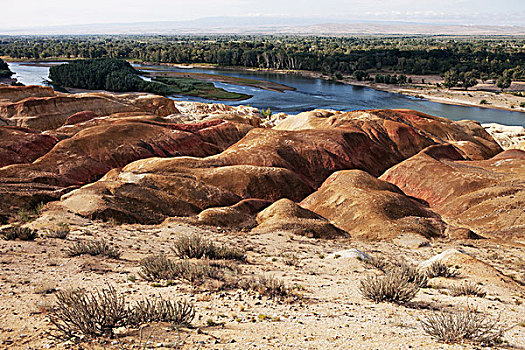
370 208
93 151
141 158
487 196
21 145
51 112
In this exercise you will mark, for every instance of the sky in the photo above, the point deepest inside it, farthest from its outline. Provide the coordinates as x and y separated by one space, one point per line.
34 13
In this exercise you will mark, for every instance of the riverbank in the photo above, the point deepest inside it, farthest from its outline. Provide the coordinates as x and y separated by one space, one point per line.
485 95
470 98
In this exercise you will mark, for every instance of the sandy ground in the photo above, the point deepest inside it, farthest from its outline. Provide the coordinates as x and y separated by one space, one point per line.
330 313
493 99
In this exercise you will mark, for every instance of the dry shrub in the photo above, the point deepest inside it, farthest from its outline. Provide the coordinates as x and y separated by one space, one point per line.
411 273
467 288
156 268
94 248
177 313
378 263
61 232
394 287
438 269
17 232
97 314
194 247
92 314
268 286
462 325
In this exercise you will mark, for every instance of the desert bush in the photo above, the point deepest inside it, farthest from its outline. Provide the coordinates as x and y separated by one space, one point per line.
155 268
467 288
177 313
462 325
194 272
92 314
394 287
94 248
268 286
97 314
411 273
438 269
17 232
194 247
61 232
378 263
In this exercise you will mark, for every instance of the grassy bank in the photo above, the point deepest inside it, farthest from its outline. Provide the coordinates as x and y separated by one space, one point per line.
197 88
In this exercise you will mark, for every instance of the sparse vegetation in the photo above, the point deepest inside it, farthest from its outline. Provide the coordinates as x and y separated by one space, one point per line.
177 313
467 288
411 273
60 232
291 260
156 268
97 314
268 286
438 269
199 88
14 232
195 247
394 286
462 325
374 262
266 113
93 314
94 248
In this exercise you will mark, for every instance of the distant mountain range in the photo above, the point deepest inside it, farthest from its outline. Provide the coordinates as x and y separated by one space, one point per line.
269 25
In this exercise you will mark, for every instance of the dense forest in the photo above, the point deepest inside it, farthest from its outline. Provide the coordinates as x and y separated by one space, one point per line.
481 58
103 74
4 70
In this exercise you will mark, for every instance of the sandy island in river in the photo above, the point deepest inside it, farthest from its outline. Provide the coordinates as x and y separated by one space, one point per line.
260 84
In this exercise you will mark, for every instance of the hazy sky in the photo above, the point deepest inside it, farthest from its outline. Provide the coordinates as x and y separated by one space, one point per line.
24 13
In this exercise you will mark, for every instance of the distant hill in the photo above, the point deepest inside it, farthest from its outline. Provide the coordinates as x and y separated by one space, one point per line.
269 25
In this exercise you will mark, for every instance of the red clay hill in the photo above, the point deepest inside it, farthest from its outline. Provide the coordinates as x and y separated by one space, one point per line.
139 158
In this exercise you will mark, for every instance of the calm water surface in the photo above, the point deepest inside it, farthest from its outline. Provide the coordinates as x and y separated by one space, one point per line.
312 93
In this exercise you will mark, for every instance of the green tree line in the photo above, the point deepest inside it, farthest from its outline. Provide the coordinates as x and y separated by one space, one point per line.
489 58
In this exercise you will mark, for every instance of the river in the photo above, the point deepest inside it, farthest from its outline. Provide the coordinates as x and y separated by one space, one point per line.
312 93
